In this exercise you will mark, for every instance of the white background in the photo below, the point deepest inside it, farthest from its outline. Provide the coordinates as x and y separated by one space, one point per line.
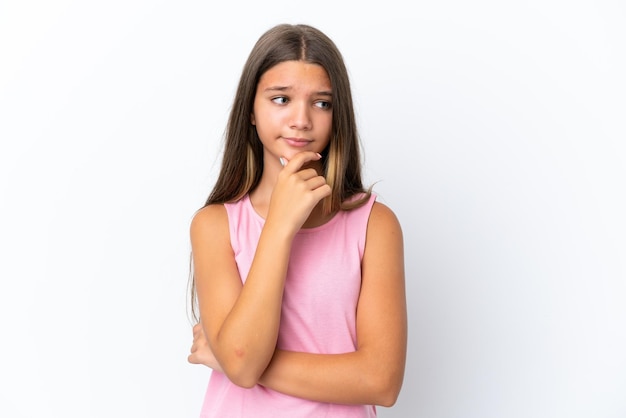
496 133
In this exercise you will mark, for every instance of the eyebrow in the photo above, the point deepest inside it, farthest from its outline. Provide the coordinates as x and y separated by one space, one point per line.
286 88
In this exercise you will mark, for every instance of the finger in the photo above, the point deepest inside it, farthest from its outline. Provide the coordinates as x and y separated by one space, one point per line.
321 192
308 174
315 182
301 158
198 331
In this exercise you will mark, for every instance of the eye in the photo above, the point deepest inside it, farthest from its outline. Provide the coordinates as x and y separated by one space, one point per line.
322 104
280 100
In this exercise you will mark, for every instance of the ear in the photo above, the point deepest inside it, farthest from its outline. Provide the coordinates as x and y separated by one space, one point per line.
252 119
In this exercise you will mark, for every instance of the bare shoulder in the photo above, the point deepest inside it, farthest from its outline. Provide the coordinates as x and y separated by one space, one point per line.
210 221
383 220
384 234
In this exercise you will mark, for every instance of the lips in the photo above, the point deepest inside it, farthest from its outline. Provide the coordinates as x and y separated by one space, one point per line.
298 142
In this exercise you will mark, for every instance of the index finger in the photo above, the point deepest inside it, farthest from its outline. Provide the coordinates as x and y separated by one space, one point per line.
301 158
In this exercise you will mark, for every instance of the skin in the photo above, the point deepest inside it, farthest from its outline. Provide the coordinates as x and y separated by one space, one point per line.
293 105
239 323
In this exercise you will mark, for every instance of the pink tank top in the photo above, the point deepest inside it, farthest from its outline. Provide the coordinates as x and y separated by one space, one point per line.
318 311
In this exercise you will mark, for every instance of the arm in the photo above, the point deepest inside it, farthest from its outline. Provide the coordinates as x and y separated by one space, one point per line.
373 374
241 322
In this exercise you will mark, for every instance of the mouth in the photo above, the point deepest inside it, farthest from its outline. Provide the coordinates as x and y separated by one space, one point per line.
297 142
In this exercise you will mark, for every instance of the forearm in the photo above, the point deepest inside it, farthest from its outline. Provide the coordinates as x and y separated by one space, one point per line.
352 378
247 338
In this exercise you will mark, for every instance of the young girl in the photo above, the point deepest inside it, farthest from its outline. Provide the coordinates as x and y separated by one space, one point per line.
297 270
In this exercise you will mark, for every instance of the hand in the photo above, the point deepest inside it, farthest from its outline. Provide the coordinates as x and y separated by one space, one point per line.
297 191
200 351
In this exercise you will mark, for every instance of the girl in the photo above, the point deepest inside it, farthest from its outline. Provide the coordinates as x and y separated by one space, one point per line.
297 270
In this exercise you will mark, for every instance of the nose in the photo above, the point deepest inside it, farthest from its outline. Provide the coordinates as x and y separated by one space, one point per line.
300 118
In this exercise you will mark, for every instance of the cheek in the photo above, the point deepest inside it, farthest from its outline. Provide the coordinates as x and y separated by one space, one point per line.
267 118
328 127
266 124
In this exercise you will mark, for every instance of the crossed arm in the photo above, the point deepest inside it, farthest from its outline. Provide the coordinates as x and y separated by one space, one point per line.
239 323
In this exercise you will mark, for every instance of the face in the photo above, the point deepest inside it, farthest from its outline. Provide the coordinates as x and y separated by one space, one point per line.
293 110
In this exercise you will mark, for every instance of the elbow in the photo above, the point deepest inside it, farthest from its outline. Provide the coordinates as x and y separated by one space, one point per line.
387 396
240 377
241 372
246 382
386 389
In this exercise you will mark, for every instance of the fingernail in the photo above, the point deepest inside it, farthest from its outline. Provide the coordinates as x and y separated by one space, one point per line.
319 155
283 162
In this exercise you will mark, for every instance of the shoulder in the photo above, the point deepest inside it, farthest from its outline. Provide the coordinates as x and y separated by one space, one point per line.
384 232
382 217
208 216
209 221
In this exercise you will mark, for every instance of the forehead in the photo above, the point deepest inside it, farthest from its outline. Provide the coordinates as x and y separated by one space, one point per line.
294 74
